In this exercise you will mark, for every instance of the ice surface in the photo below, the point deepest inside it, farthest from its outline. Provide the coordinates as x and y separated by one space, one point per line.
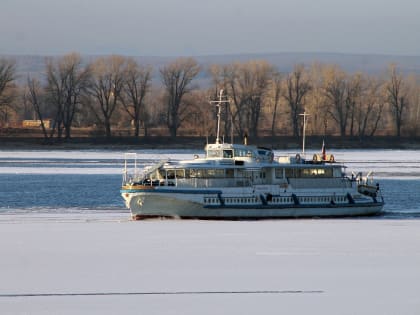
80 162
74 260
383 163
106 264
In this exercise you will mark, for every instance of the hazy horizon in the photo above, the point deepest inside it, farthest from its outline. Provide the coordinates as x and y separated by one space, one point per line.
259 55
164 28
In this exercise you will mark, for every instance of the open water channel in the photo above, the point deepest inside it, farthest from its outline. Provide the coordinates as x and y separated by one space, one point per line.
89 181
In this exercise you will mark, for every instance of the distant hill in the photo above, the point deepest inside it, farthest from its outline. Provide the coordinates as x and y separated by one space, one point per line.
372 64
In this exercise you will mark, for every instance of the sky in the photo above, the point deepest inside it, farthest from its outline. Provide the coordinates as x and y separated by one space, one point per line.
209 27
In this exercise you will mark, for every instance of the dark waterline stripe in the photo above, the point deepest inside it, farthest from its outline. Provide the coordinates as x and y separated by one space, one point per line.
18 295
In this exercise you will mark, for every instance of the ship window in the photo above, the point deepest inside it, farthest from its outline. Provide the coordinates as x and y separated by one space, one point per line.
213 173
196 173
290 172
180 173
316 172
228 154
214 153
229 172
240 153
279 172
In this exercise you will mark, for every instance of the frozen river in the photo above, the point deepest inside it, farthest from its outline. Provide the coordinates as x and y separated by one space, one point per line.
68 246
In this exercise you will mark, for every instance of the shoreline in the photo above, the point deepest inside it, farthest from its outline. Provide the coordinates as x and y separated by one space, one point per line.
190 142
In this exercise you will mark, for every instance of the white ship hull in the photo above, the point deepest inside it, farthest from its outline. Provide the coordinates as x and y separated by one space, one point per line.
184 205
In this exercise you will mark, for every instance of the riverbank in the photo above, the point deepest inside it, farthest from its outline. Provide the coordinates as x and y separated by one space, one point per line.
100 263
182 142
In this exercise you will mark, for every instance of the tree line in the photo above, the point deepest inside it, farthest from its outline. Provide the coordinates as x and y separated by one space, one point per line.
117 93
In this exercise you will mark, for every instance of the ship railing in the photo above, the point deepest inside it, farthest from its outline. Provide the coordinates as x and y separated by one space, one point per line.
132 173
130 169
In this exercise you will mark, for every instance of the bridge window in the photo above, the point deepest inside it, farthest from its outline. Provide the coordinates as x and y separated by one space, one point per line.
228 154
214 153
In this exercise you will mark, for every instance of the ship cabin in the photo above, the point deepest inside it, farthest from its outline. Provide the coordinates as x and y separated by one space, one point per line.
239 154
227 165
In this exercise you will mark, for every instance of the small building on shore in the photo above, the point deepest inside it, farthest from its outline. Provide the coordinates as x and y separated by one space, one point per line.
36 123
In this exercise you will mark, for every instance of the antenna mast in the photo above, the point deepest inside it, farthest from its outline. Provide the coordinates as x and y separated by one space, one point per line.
304 131
219 110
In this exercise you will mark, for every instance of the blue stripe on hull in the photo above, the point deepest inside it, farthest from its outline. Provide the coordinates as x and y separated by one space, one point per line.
172 191
295 206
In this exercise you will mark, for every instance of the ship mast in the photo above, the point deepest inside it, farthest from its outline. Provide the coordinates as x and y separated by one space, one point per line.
304 131
219 111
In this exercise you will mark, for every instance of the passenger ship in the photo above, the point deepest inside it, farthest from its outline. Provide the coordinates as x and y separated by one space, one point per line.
240 181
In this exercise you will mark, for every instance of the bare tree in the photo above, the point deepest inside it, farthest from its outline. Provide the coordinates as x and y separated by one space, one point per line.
7 95
414 101
368 112
136 86
106 88
297 86
67 82
56 76
335 90
315 102
353 95
255 78
7 76
246 85
397 97
176 78
276 83
34 94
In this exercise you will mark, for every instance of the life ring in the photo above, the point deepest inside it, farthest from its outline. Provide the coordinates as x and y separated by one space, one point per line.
332 159
315 158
